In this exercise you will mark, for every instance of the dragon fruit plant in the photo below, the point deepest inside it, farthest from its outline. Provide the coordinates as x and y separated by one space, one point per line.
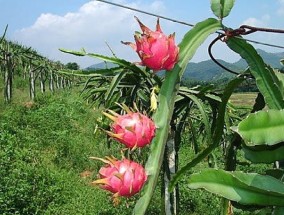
121 177
155 49
159 52
125 177
131 129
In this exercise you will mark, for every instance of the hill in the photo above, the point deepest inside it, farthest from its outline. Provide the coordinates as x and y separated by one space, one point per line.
209 71
101 65
273 59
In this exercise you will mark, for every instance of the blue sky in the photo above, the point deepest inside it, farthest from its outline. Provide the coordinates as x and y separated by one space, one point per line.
47 25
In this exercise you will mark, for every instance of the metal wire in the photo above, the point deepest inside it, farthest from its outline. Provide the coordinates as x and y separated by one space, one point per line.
242 30
264 44
191 25
213 58
148 13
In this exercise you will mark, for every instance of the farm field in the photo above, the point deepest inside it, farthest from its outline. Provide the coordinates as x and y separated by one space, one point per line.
45 150
243 99
45 147
109 135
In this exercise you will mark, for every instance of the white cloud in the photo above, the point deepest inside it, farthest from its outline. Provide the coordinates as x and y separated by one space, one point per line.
90 27
280 10
264 37
262 22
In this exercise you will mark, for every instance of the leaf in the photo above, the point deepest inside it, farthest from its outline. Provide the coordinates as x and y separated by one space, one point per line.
209 96
118 61
222 8
275 173
278 211
259 103
4 34
217 135
91 73
143 96
264 156
262 128
266 80
202 110
244 188
113 86
77 53
162 117
280 77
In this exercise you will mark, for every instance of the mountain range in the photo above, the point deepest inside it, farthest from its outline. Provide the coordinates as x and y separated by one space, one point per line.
210 71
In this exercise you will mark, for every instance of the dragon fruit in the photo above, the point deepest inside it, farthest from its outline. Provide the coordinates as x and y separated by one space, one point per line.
121 177
132 129
156 50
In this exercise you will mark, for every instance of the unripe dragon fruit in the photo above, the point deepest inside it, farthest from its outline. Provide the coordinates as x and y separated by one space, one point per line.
132 129
121 177
156 50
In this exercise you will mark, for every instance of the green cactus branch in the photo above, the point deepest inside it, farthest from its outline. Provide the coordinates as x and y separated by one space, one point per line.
191 41
217 134
266 79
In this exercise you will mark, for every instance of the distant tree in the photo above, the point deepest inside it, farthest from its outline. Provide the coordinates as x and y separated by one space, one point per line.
72 65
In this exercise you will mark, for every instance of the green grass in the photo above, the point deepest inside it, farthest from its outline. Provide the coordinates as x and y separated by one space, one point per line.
44 146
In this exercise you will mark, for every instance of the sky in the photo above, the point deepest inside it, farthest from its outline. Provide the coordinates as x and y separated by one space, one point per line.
47 25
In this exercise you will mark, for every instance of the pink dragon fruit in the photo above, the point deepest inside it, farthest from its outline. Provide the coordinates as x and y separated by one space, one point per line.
156 50
121 177
132 129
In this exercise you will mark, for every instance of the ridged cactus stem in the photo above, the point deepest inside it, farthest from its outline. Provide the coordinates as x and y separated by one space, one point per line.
166 98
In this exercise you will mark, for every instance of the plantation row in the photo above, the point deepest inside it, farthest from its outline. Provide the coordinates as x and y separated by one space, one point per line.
154 145
45 147
228 137
18 60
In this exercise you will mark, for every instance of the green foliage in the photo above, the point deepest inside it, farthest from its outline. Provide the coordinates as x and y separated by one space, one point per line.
22 66
217 133
262 128
222 8
45 145
169 88
72 66
20 83
125 83
208 122
244 188
264 155
43 149
266 80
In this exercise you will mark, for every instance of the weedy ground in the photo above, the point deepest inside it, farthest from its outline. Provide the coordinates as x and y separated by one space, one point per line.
45 147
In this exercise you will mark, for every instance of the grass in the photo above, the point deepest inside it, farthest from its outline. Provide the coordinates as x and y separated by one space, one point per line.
49 142
45 147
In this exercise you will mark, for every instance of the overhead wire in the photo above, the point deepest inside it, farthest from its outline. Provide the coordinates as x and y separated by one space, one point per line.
242 30
148 13
213 58
184 23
